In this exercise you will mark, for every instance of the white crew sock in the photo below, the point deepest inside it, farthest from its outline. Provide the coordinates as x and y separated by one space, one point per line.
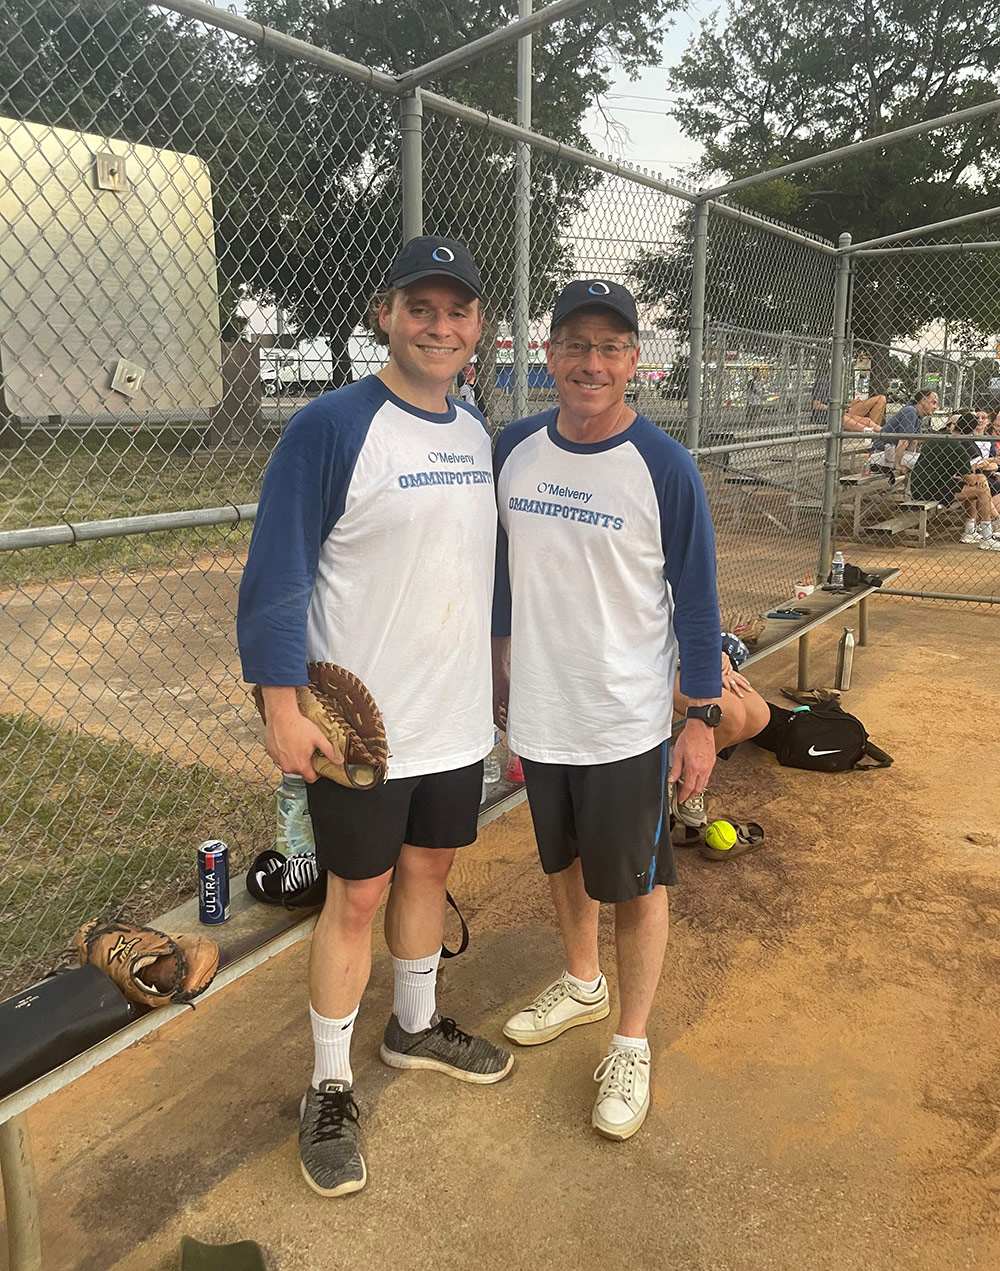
585 986
332 1047
985 529
414 991
636 1043
970 527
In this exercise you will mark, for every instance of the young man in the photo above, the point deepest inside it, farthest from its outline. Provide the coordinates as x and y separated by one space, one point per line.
373 548
606 568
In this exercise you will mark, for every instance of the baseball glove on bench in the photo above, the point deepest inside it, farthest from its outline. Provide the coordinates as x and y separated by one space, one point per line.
148 966
340 706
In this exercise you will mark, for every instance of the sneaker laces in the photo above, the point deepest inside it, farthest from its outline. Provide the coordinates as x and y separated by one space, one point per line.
616 1072
451 1032
694 803
549 997
336 1107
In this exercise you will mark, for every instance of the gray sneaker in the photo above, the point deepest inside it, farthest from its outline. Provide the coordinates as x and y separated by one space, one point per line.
328 1140
445 1048
690 819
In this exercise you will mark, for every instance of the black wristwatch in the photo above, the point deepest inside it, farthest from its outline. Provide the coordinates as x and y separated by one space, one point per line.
710 714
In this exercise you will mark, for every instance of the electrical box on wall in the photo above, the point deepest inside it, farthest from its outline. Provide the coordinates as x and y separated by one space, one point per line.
108 290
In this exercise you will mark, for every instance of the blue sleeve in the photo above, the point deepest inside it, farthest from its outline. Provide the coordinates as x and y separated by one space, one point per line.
301 499
689 560
508 439
905 419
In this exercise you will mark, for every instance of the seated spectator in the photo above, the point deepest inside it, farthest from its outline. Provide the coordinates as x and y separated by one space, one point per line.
900 455
859 415
949 470
744 714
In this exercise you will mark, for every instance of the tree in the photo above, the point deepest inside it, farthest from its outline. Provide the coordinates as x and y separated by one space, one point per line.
303 164
345 229
776 83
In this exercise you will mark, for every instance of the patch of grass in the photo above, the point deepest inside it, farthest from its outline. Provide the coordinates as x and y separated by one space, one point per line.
104 474
89 828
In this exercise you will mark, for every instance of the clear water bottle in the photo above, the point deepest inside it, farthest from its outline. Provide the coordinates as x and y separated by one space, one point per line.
837 570
491 764
294 835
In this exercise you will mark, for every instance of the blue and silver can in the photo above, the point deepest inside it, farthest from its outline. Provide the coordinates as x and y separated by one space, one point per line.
213 882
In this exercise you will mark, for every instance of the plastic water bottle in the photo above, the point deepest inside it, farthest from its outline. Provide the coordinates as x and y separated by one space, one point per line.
491 765
837 570
294 835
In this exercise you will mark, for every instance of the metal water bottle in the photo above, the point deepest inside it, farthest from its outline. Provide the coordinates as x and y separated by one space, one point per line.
294 831
845 659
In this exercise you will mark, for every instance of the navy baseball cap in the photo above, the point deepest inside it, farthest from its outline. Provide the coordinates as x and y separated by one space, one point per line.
588 292
428 256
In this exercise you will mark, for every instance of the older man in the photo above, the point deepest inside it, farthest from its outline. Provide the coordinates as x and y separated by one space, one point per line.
606 572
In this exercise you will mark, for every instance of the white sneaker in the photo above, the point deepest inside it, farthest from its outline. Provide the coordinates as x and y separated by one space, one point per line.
990 545
968 537
623 1096
562 1005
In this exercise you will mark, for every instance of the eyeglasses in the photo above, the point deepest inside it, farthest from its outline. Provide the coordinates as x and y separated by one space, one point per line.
609 350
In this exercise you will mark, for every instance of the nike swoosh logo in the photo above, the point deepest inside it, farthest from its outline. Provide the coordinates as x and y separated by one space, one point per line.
813 751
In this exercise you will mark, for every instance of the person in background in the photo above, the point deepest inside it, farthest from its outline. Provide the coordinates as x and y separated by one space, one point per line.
744 715
860 415
470 390
947 470
900 455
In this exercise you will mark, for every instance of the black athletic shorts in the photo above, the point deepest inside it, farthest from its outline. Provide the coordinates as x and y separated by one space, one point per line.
613 816
359 833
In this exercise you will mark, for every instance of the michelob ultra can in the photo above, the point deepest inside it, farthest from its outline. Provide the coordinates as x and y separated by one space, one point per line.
213 882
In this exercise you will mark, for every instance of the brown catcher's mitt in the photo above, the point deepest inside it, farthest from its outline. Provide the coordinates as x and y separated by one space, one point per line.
150 967
340 706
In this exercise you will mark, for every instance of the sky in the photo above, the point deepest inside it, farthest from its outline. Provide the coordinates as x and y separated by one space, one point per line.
646 135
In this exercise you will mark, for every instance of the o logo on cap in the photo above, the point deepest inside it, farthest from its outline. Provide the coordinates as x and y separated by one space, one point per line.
599 289
443 254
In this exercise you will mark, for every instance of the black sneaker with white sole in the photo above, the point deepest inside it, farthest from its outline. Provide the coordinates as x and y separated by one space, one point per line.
445 1048
328 1140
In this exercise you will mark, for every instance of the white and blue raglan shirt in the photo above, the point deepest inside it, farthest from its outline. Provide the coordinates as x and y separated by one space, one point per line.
605 569
373 548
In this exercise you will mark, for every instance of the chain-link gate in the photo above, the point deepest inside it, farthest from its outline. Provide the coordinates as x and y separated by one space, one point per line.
922 336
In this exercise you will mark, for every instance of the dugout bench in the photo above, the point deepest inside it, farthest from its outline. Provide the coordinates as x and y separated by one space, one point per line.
821 607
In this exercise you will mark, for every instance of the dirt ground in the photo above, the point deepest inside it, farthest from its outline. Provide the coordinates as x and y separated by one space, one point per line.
825 1046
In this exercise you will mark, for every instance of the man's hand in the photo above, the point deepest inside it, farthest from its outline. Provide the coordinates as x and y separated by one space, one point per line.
290 738
694 759
501 679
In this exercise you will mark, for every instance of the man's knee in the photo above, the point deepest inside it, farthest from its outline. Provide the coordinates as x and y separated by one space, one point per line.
353 902
429 865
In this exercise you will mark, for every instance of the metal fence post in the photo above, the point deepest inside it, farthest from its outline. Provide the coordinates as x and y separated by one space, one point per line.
522 231
696 334
411 125
835 413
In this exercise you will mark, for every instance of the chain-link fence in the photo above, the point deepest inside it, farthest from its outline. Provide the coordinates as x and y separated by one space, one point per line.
195 222
923 341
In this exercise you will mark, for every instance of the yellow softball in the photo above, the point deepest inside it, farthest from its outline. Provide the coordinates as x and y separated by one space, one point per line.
720 835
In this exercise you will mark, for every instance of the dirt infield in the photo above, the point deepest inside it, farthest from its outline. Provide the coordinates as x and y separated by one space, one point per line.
825 1042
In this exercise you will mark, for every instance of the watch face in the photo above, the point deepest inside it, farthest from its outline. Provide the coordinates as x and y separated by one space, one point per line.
711 715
